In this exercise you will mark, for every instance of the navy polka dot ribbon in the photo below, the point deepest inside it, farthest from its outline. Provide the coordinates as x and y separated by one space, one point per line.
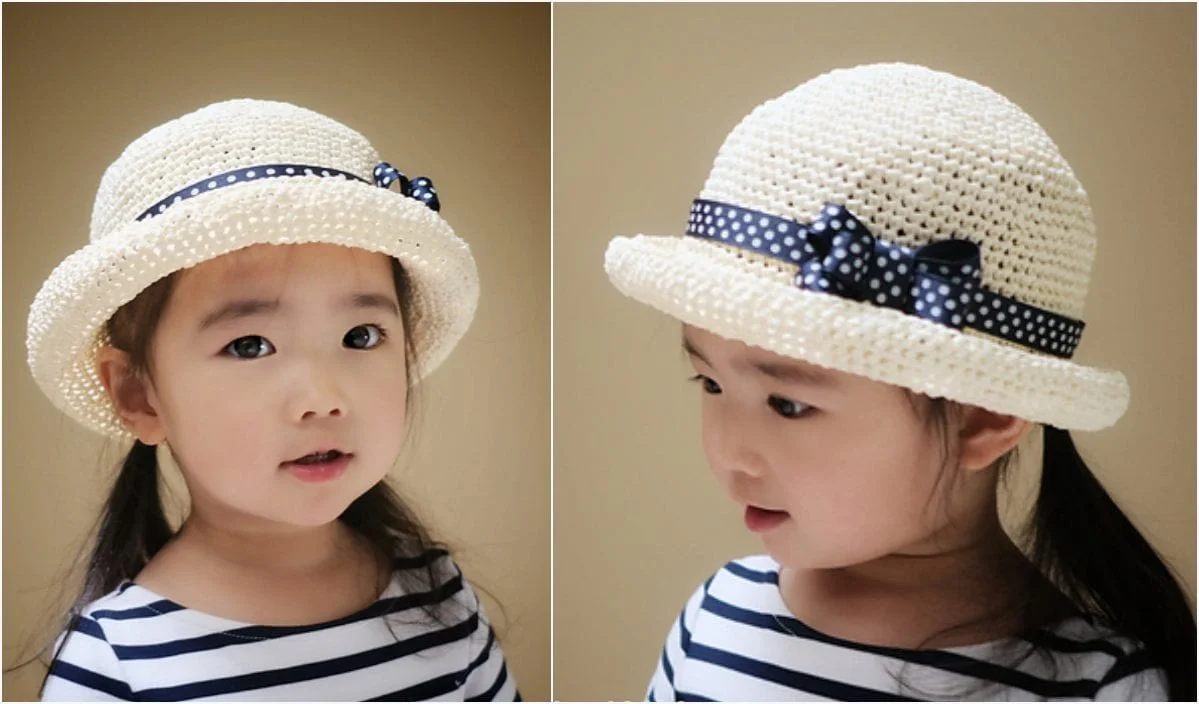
941 281
419 188
385 174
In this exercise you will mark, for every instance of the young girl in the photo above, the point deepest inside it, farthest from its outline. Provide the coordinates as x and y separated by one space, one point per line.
258 302
881 287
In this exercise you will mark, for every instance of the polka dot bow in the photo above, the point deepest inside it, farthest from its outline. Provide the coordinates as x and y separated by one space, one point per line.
420 189
836 254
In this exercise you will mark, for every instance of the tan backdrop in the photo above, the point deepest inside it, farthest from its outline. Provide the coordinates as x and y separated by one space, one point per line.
458 93
643 98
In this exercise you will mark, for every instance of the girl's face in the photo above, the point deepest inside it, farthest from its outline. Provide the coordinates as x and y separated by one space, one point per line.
833 469
269 353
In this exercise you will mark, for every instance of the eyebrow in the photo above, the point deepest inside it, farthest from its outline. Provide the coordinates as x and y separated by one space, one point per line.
789 373
245 308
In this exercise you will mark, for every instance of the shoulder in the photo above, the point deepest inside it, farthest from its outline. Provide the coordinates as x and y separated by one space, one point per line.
754 569
117 604
743 574
102 617
1134 674
111 627
1135 677
86 663
435 576
737 591
1121 666
749 582
437 584
436 559
464 620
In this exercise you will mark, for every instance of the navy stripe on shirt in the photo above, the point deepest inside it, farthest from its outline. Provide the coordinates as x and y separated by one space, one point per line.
489 695
790 678
315 670
421 561
485 655
769 577
92 680
382 607
1130 665
1061 643
153 610
940 659
666 667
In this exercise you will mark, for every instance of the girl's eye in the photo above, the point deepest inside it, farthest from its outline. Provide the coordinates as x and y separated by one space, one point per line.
249 347
365 337
786 407
710 387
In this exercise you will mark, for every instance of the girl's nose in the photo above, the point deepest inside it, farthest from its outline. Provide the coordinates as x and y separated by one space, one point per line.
319 395
731 448
742 459
334 411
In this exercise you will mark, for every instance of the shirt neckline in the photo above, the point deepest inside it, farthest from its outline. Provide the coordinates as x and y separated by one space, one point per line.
243 630
780 610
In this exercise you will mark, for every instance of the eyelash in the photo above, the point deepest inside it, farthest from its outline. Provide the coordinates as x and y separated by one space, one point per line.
707 384
785 407
226 351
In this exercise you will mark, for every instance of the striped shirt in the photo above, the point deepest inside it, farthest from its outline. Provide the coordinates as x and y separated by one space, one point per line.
135 645
736 640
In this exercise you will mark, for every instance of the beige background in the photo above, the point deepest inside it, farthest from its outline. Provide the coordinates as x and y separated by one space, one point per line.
458 93
643 98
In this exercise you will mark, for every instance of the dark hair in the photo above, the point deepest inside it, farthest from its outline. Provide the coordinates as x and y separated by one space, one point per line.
1082 543
133 526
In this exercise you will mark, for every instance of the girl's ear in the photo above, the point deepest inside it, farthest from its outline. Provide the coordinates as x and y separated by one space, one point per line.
985 436
132 396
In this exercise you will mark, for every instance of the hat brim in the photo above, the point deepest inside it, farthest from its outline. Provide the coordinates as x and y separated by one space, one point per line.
68 314
737 297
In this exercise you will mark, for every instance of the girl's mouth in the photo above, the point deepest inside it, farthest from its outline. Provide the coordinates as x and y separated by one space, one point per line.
319 467
762 520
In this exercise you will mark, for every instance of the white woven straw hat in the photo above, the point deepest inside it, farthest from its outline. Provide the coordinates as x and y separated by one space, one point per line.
225 177
897 223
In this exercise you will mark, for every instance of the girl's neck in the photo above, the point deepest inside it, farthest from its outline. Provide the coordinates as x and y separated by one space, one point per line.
967 574
950 559
274 548
268 575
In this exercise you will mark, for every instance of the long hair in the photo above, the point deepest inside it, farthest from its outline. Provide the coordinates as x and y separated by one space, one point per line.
1086 547
133 526
1083 542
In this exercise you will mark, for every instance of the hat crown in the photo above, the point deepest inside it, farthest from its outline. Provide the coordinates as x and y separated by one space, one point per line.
920 155
216 139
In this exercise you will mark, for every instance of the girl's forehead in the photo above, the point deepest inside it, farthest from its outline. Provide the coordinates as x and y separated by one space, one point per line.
714 349
704 342
315 273
264 261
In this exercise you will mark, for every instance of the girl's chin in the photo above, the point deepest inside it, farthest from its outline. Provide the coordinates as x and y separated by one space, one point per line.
790 554
309 513
794 558
786 553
